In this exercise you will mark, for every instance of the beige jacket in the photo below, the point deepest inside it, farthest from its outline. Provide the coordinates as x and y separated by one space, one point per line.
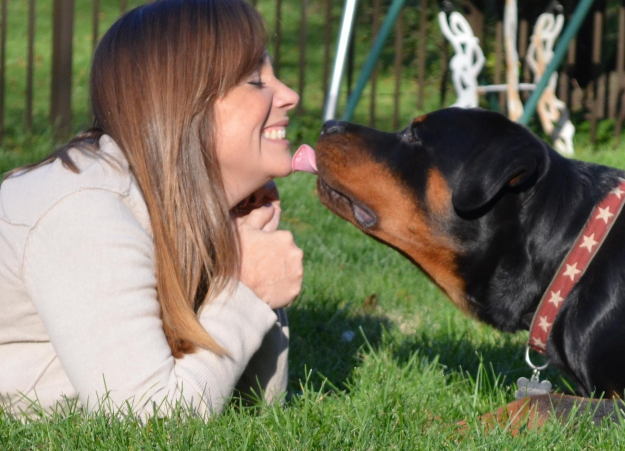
79 317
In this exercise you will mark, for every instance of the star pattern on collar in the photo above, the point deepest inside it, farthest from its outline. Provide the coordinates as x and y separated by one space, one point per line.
617 192
538 343
604 213
543 323
571 271
589 242
556 299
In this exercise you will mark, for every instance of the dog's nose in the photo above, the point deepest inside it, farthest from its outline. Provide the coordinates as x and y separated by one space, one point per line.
332 127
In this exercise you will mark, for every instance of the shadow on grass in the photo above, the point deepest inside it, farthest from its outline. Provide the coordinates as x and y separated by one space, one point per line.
503 356
326 339
320 346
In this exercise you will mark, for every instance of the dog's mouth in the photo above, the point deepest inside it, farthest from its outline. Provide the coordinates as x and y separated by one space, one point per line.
345 205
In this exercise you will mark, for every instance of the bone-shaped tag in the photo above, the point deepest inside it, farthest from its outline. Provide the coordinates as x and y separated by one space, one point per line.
529 387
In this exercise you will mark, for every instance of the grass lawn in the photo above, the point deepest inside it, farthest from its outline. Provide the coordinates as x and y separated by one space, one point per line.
414 367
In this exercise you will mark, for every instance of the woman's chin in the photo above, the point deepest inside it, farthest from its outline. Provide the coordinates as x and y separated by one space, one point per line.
283 170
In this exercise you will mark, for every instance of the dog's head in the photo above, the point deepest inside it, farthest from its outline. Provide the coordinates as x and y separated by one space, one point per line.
430 189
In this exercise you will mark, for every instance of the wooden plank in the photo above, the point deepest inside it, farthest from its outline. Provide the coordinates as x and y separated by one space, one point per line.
61 101
499 63
278 43
612 94
571 89
522 49
423 23
620 73
95 24
374 74
3 56
351 55
475 17
399 59
564 79
595 102
30 64
444 70
302 55
327 42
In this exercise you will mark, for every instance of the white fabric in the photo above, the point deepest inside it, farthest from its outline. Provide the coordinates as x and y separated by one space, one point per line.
80 316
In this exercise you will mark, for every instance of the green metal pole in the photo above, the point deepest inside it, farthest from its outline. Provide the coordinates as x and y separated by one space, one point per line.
571 29
367 70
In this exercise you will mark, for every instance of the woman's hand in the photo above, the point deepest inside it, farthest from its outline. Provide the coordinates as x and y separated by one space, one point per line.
266 194
271 262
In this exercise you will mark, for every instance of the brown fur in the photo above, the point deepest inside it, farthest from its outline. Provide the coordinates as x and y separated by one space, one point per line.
403 223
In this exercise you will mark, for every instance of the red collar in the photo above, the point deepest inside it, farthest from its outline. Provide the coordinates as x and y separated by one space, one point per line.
574 265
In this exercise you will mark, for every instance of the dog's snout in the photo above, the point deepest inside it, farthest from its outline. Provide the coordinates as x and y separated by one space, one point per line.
333 127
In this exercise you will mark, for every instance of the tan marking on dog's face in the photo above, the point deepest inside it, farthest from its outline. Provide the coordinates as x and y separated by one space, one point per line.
402 223
438 194
419 119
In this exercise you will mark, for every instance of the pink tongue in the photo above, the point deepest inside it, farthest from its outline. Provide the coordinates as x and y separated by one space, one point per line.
304 160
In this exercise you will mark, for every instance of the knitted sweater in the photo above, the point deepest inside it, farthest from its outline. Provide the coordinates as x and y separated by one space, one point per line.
79 312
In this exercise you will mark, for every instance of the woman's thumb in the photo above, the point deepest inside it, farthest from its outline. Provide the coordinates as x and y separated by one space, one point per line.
260 217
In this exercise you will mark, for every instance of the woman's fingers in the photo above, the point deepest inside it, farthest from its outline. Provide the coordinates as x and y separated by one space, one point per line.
258 218
271 265
273 224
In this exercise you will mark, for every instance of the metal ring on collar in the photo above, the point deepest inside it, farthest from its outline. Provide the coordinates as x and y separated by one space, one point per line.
529 361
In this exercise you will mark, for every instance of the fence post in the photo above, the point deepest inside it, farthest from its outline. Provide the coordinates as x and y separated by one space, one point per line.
499 56
596 104
423 22
327 40
3 43
374 74
30 66
302 55
95 25
278 43
61 101
620 71
399 59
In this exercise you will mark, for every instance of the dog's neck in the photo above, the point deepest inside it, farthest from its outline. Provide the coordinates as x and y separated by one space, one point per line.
550 216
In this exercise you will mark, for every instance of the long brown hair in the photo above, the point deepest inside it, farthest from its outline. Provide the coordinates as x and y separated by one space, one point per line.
156 75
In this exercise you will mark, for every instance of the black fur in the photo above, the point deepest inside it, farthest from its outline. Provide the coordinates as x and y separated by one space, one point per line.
519 206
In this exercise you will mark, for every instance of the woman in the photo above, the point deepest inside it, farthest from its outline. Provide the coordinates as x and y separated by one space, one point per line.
126 272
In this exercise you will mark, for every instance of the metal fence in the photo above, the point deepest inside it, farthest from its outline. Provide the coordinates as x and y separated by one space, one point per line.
591 81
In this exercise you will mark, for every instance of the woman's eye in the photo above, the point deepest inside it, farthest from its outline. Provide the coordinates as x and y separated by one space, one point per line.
258 84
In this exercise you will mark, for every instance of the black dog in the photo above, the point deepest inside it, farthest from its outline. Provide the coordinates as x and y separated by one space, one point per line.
488 211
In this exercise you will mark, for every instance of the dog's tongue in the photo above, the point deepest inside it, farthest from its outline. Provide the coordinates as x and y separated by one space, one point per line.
304 160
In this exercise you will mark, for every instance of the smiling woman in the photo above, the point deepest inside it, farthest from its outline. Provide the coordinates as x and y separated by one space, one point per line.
141 262
251 130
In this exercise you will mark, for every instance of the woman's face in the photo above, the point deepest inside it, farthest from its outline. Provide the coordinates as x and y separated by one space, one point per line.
251 121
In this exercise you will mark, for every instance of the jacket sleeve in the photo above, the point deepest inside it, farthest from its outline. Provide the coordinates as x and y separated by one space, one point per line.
89 269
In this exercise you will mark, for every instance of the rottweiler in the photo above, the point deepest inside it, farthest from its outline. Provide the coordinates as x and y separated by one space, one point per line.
489 211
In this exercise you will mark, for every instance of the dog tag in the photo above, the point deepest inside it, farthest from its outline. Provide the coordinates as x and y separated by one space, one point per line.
533 386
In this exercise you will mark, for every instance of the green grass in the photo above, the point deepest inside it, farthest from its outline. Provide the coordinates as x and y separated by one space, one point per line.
416 365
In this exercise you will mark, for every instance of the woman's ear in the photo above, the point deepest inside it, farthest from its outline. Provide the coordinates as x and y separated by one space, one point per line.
505 162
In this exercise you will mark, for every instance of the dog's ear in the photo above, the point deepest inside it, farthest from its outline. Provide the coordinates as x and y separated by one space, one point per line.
506 162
